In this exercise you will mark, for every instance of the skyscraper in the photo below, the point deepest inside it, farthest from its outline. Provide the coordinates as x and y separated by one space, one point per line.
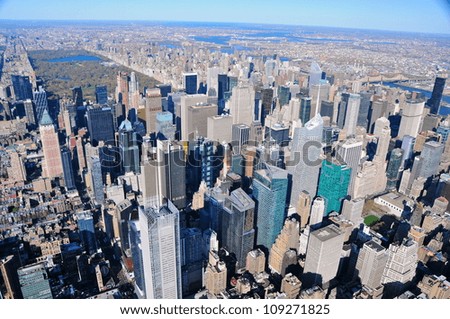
305 109
129 149
69 176
285 245
333 184
323 255
431 155
303 208
349 152
238 233
34 282
190 83
101 94
240 136
122 90
393 169
352 103
153 106
40 102
411 118
160 241
305 162
315 74
371 262
86 230
22 87
269 191
52 166
434 101
241 104
317 213
100 124
77 96
136 254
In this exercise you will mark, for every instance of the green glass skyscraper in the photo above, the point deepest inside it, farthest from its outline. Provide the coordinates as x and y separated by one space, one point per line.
333 184
270 191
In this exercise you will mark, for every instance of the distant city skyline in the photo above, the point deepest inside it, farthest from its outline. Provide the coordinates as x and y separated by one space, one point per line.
401 15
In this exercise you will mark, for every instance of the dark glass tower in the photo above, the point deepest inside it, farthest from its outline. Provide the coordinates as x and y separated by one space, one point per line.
22 87
436 96
129 150
100 124
190 83
69 178
77 96
305 109
87 232
393 169
101 94
40 102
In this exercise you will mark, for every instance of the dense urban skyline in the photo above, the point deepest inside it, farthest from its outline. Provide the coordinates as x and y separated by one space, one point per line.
408 16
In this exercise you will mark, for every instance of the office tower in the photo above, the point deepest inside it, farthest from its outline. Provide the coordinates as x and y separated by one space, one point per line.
434 101
160 242
393 169
8 273
283 95
408 143
303 208
315 74
364 108
196 123
290 285
431 156
371 262
401 266
136 254
411 118
327 109
286 244
187 124
29 112
164 89
210 162
277 132
305 109
240 137
219 128
34 282
333 184
216 270
266 103
129 149
133 91
317 212
22 87
95 168
164 125
305 162
101 94
52 166
86 231
171 166
351 106
190 83
222 87
270 192
40 102
352 210
69 176
323 255
237 225
77 96
122 90
379 159
377 109
241 104
153 106
349 152
212 80
192 258
443 129
100 124
318 93
256 261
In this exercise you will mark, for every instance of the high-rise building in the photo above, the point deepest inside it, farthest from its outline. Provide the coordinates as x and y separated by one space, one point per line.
192 250
34 282
303 208
161 255
317 213
408 143
69 176
431 156
187 124
136 254
52 166
101 94
212 83
197 120
323 255
129 149
190 83
40 102
352 210
22 87
86 230
153 106
315 74
122 90
164 125
270 192
305 162
8 273
290 285
393 169
241 104
240 136
286 243
411 118
238 233
364 108
351 108
349 152
305 109
434 101
371 262
219 128
77 96
283 95
100 124
256 261
333 184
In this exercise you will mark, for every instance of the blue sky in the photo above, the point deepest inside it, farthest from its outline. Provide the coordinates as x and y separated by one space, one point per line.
399 15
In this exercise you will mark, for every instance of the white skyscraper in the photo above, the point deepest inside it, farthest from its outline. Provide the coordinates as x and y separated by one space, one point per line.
241 104
371 262
160 240
185 102
317 212
351 115
352 210
349 152
323 255
212 80
411 118
305 160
